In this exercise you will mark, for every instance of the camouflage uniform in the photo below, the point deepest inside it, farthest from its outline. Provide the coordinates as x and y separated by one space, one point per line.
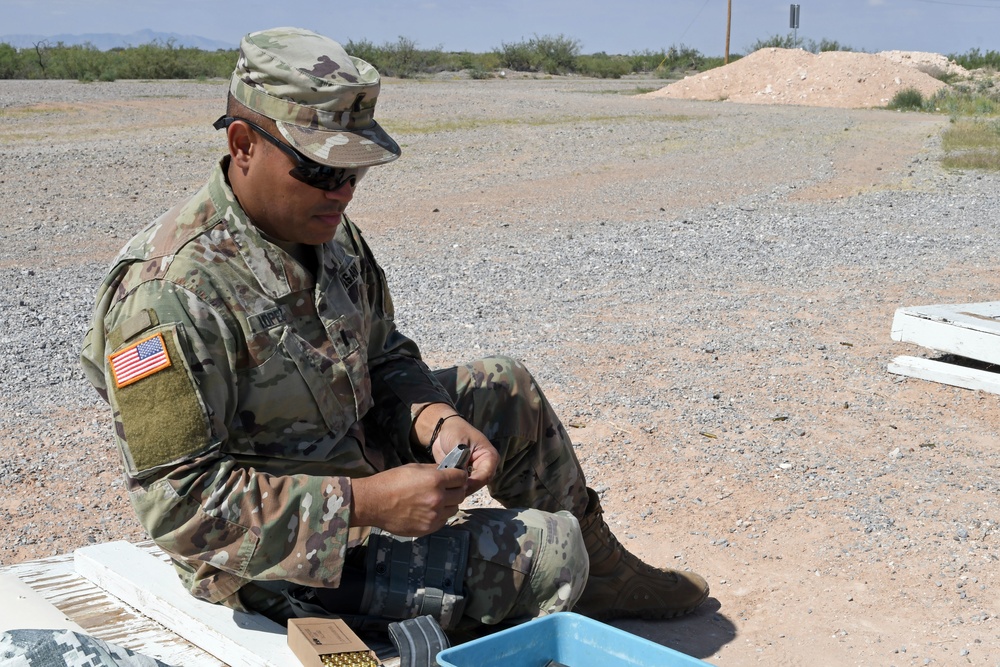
270 389
249 387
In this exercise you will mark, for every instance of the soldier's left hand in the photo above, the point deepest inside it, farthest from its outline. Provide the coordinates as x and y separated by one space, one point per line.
484 457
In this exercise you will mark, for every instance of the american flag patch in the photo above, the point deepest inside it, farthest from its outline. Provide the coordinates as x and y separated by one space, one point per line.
139 360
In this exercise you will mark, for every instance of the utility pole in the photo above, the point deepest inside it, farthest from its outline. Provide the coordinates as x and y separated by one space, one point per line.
729 23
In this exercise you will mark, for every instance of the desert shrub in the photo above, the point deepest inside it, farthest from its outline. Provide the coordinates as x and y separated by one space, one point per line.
673 62
774 42
165 61
976 59
149 61
478 65
790 41
964 99
645 61
11 63
553 55
986 86
716 61
825 45
906 100
402 59
399 59
683 58
363 49
519 57
81 62
603 66
558 53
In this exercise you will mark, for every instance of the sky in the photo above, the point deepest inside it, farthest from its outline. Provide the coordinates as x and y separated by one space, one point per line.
611 26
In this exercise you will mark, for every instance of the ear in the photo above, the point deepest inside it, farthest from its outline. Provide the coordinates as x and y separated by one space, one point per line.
243 144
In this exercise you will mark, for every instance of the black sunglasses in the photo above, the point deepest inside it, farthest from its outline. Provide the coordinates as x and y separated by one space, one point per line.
308 171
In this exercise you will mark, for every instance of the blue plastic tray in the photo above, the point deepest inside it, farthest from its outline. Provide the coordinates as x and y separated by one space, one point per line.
572 639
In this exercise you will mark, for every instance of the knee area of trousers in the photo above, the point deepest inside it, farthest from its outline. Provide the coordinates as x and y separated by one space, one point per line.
510 374
569 537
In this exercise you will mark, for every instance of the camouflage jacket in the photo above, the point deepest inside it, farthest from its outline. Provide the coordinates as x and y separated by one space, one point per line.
246 392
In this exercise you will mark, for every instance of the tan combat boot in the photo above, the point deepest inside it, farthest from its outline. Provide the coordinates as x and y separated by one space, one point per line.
622 586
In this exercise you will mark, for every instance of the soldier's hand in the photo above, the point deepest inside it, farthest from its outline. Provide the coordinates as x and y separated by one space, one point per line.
444 429
410 501
484 458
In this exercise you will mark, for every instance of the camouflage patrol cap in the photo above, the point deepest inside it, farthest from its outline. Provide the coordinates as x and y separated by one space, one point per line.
322 99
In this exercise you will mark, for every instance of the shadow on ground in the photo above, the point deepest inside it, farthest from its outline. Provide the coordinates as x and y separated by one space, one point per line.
700 634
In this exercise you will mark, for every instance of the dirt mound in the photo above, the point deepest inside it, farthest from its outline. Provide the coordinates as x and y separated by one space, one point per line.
831 79
929 63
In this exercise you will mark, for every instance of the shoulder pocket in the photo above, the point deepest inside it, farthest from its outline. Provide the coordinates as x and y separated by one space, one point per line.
160 417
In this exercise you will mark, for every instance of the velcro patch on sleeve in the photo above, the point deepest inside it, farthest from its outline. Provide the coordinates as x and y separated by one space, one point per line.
163 418
139 360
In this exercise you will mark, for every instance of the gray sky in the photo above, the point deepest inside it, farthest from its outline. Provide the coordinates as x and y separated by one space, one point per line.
616 26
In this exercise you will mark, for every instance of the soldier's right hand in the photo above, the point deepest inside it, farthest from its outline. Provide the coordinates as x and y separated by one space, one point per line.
410 501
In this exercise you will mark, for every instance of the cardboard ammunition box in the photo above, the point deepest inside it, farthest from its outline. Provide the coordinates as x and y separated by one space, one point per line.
313 638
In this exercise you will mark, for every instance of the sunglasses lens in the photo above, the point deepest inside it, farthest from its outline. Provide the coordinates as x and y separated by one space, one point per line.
327 178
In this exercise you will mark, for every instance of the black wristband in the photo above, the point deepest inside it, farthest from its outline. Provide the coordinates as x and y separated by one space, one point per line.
436 432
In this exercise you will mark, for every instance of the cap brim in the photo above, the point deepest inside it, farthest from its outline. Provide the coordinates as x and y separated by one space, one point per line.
342 148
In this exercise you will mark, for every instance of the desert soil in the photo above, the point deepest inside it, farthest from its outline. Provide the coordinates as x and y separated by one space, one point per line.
703 289
831 79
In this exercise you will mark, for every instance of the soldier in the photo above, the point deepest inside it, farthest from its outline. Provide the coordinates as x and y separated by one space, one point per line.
279 434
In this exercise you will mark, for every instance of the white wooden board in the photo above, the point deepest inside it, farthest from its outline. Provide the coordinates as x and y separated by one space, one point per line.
129 595
970 330
151 586
25 608
104 616
950 374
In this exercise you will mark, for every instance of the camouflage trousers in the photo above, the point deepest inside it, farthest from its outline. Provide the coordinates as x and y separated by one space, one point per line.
525 561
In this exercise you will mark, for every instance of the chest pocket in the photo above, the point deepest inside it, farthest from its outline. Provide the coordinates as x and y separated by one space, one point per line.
304 398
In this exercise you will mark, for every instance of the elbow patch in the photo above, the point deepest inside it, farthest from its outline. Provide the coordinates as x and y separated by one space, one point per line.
160 415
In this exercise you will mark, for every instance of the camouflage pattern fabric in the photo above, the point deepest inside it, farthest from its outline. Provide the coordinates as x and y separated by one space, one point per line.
322 99
246 474
278 387
52 648
522 564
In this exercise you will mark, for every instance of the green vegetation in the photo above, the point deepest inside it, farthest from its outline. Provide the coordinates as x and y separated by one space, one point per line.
975 59
675 62
978 98
908 99
972 144
402 58
972 141
543 55
789 41
552 55
87 63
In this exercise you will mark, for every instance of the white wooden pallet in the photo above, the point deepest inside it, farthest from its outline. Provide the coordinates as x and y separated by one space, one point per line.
56 582
969 330
129 595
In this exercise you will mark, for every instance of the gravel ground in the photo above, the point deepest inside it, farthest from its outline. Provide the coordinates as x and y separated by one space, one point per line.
704 290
